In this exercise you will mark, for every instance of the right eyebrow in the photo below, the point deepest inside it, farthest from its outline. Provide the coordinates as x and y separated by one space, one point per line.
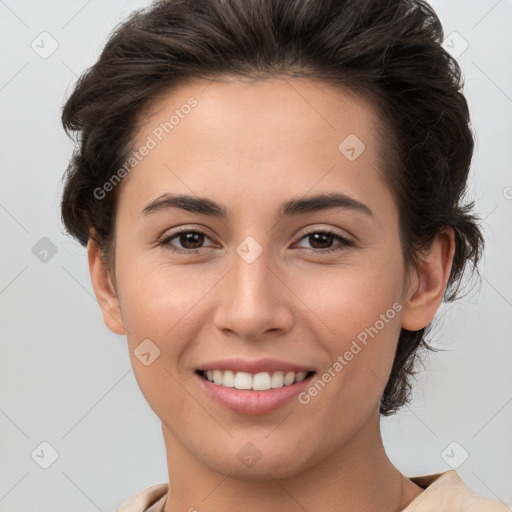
188 203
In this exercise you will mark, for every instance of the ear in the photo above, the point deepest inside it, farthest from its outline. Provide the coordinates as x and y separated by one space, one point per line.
428 282
104 289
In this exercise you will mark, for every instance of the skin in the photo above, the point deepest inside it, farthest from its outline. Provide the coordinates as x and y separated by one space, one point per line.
252 147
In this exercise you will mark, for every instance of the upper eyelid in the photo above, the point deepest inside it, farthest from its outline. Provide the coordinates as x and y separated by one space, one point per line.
179 231
331 231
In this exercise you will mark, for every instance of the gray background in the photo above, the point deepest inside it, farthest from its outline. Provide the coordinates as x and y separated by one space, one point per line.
66 379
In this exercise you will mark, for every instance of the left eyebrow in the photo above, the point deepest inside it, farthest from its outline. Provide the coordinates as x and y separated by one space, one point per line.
323 202
293 207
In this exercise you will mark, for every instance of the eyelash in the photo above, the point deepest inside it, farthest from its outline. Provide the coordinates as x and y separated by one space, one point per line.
345 241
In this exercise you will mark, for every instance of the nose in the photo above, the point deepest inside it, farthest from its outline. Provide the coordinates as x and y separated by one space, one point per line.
254 298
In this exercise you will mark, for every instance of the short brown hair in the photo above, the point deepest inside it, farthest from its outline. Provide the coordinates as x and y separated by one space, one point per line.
387 51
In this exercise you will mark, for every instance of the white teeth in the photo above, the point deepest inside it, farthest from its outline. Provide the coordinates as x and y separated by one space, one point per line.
228 379
258 382
217 377
289 378
243 380
261 381
300 376
277 380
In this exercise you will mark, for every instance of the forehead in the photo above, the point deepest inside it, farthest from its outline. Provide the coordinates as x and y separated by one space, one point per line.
228 138
258 106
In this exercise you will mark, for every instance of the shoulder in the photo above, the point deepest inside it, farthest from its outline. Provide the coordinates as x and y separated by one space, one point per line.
448 492
482 504
151 499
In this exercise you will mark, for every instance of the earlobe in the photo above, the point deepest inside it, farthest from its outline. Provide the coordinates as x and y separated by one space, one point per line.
104 289
427 288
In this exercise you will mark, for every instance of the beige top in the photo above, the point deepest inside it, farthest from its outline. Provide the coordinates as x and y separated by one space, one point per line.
444 492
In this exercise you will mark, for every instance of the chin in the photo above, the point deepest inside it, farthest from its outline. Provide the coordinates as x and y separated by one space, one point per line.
253 461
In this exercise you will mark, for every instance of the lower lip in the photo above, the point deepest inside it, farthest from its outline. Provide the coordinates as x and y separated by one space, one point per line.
252 403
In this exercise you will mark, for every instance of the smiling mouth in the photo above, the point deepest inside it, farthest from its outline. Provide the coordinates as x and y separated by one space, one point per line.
254 381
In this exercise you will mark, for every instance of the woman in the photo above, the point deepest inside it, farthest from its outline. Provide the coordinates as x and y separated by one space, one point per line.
271 196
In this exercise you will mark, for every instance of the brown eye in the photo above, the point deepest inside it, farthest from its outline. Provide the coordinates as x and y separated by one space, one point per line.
191 240
322 241
187 241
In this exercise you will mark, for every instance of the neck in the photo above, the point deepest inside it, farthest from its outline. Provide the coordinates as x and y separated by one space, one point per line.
357 477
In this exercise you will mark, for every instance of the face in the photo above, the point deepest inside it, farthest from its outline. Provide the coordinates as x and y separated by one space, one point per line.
260 278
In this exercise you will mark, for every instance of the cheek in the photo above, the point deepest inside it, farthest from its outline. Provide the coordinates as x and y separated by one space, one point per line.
158 299
348 299
358 311
159 309
165 305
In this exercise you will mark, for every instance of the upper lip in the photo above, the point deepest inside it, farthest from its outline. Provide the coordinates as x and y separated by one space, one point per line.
254 366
